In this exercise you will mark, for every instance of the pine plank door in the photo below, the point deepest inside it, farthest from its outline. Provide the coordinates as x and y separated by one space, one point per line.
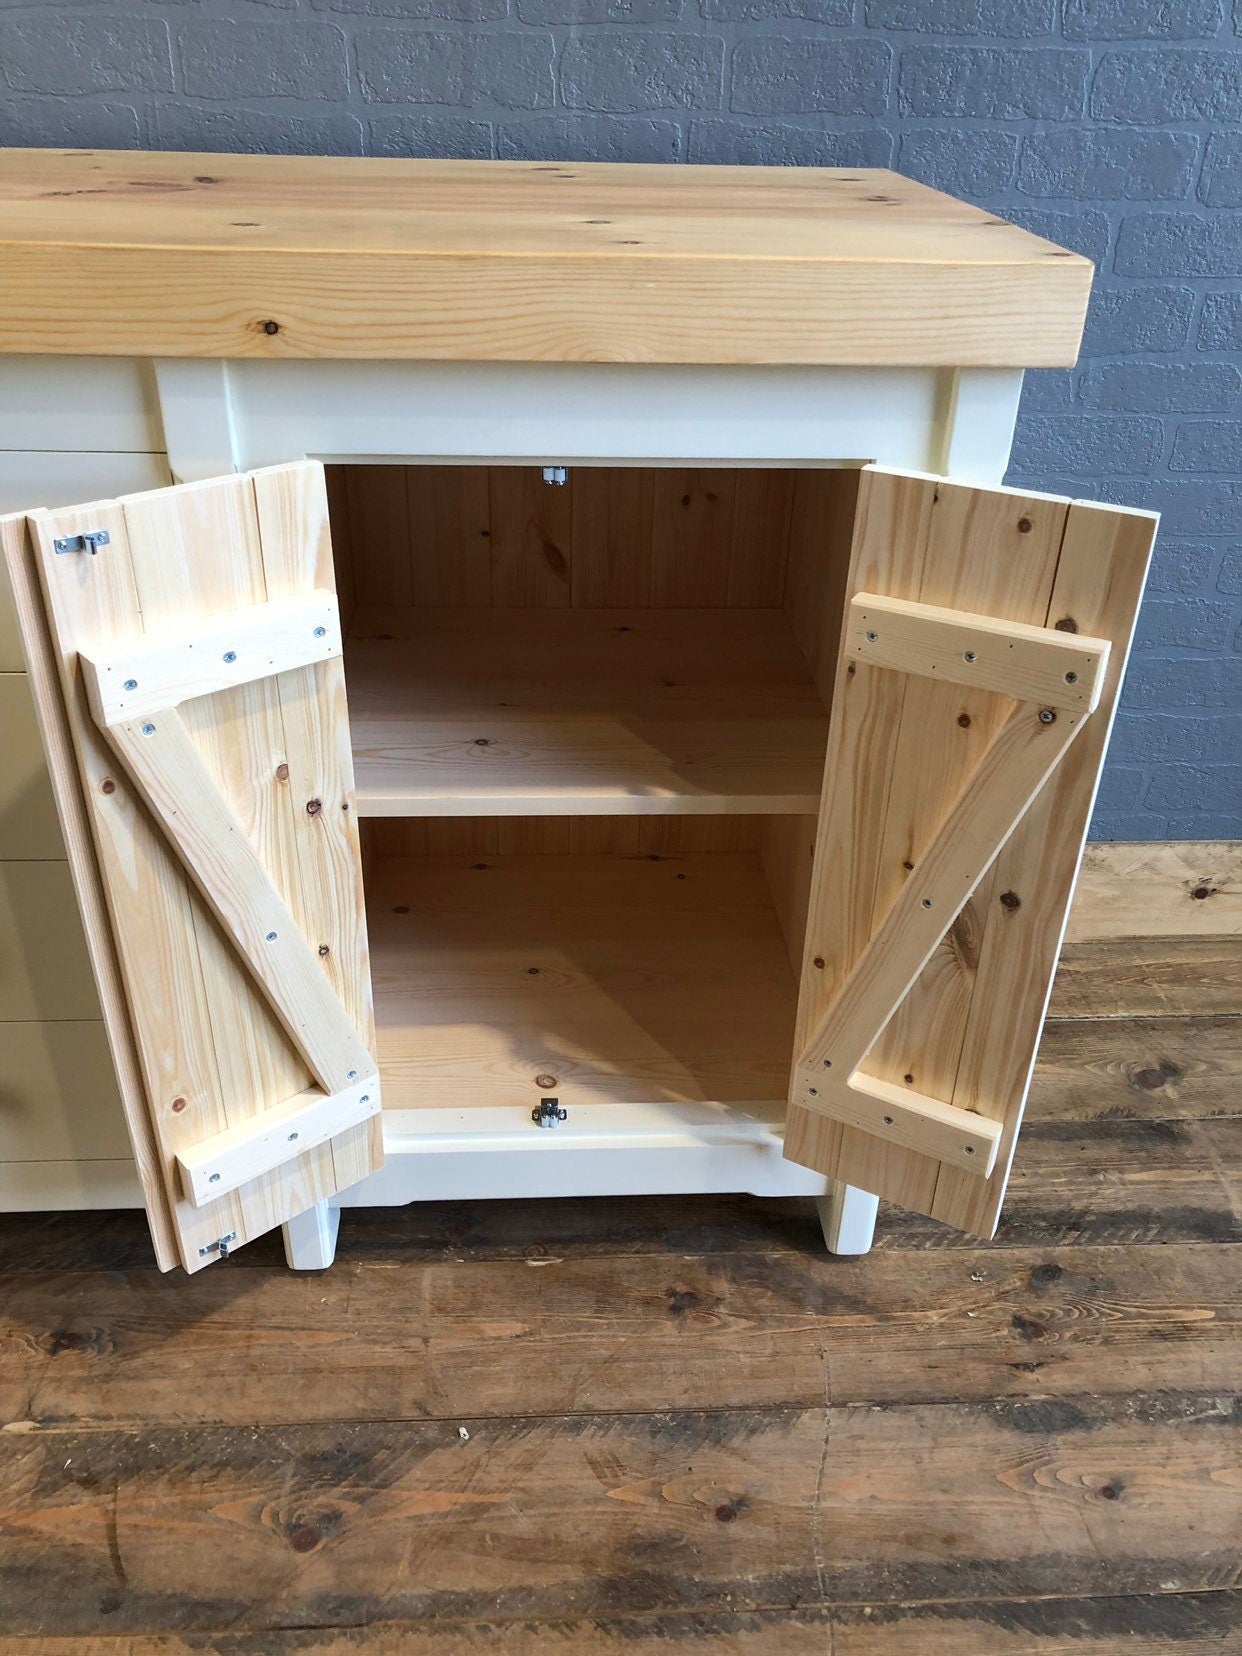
982 649
184 650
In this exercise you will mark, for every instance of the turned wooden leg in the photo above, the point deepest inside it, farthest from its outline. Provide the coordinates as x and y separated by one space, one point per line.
310 1239
848 1217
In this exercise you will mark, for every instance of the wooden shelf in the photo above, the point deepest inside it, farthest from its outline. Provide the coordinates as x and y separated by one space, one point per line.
616 979
567 712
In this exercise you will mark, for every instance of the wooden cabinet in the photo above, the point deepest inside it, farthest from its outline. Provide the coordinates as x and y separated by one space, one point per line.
505 770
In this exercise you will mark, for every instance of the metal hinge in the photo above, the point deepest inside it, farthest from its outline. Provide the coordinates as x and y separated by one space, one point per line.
90 542
221 1247
548 1113
558 476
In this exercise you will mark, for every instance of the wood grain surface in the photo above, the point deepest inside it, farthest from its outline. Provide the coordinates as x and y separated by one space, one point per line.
552 710
291 256
211 1052
334 1522
1191 1624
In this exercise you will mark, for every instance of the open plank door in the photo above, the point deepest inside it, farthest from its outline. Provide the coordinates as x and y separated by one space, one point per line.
982 649
184 650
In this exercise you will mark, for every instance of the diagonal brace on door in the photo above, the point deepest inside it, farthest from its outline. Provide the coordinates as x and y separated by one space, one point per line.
135 693
1058 678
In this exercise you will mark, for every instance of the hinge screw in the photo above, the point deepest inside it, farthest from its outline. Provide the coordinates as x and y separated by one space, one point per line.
548 1113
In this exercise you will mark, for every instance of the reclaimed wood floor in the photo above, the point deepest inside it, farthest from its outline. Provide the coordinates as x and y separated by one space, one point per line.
580 1428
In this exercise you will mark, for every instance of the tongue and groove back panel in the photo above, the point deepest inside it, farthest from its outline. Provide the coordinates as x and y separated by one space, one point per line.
900 752
212 1053
610 537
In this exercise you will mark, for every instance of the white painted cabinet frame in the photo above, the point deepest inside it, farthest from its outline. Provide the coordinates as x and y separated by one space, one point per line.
220 418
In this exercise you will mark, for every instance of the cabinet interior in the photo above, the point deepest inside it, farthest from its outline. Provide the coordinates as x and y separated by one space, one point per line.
588 727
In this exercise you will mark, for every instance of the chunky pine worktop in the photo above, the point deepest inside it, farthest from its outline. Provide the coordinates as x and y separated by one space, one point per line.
134 254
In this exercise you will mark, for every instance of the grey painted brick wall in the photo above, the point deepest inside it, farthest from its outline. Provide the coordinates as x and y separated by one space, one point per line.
1110 125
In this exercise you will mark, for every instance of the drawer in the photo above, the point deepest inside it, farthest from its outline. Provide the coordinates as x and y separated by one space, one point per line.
74 403
58 1095
29 827
44 968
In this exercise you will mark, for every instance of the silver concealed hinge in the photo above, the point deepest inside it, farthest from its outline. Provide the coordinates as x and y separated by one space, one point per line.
548 1113
90 542
221 1247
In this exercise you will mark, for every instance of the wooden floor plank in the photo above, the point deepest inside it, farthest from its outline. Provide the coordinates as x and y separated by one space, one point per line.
1171 889
1154 1068
1149 977
166 1530
1191 1624
601 1335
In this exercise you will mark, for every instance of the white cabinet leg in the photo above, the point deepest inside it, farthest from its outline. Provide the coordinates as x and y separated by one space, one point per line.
310 1239
848 1217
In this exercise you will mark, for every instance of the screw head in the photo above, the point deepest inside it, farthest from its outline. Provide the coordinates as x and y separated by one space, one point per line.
814 1091
131 684
969 655
148 730
292 1136
271 937
888 1121
871 637
1071 678
1047 716
320 632
214 1179
927 902
969 1149
827 1063
230 655
353 1075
